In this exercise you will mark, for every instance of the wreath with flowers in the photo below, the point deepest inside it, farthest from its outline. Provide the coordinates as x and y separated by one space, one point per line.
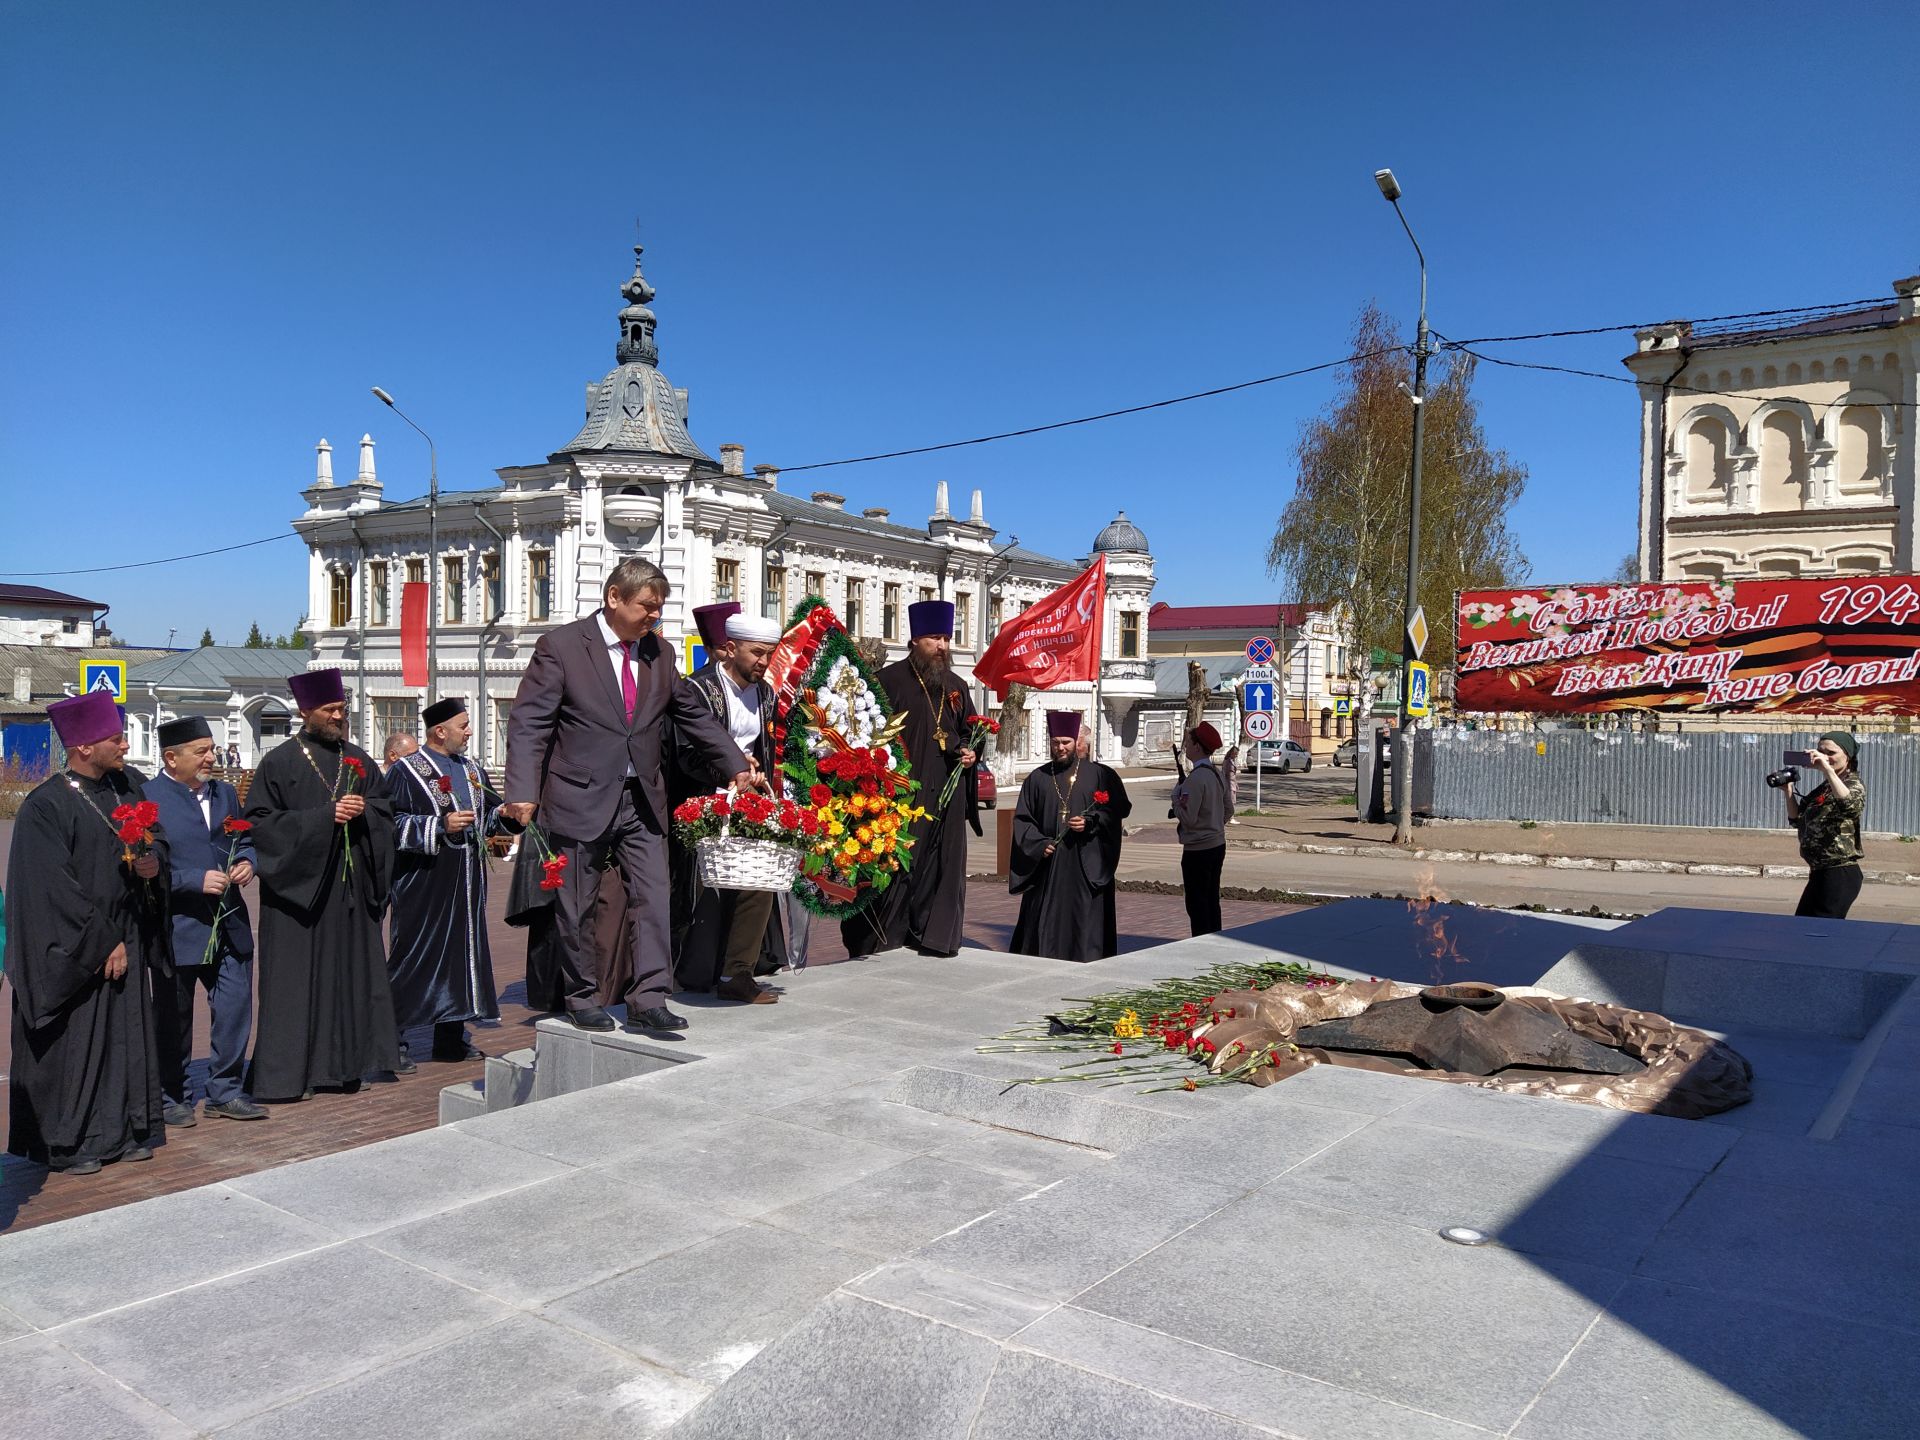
840 749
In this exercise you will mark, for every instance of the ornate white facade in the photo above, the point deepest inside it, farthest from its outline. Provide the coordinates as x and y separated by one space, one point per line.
1780 452
531 552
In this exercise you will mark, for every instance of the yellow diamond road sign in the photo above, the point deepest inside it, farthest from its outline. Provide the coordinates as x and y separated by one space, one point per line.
1417 631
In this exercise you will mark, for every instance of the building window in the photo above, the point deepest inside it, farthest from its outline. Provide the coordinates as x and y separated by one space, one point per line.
70 624
890 612
496 593
416 572
1783 569
377 597
1859 565
962 619
850 617
773 605
995 613
816 585
1130 634
926 592
1326 724
539 585
453 591
726 580
339 598
393 715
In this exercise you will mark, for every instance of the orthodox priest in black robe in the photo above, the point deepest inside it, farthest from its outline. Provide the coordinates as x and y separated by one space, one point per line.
438 960
86 924
323 838
926 908
1066 847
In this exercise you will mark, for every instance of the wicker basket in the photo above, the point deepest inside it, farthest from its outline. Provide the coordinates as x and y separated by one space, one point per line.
730 864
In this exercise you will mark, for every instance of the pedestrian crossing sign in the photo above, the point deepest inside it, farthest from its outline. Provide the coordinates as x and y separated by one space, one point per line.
107 675
1419 677
1343 707
693 652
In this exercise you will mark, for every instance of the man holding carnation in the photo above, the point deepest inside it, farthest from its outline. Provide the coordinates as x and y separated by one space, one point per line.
1066 848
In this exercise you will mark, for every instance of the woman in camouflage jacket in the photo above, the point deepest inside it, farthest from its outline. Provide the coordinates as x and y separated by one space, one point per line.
1829 824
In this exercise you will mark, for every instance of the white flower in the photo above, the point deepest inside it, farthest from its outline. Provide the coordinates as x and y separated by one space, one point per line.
1523 605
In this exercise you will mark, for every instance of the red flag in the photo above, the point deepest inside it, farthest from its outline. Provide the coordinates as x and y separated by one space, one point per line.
413 632
1052 642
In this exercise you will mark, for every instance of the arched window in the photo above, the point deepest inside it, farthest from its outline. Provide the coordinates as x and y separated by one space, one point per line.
1783 463
1709 471
1863 459
1710 570
1326 724
1859 565
1784 568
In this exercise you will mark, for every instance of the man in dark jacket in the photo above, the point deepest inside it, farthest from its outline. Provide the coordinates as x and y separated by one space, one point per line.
211 861
584 754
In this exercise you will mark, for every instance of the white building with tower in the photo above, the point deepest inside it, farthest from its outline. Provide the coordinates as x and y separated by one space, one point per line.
531 551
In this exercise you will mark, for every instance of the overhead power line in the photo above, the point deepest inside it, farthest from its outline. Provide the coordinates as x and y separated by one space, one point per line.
143 564
1790 315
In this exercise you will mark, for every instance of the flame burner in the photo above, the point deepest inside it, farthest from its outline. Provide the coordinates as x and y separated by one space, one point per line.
1470 1029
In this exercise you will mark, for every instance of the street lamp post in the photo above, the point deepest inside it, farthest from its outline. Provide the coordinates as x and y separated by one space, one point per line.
1403 742
433 546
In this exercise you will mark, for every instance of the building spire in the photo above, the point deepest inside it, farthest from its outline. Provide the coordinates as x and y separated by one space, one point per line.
323 464
366 476
636 321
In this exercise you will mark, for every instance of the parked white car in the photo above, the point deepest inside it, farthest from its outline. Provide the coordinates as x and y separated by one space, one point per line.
1281 755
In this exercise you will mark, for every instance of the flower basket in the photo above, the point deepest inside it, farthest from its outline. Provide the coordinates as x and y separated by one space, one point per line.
728 863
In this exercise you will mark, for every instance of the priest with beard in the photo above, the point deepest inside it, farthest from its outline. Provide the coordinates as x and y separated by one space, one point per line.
926 908
443 810
1066 848
86 926
323 842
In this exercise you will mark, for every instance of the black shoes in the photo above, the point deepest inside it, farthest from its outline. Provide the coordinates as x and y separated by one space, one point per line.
179 1117
593 1018
139 1152
81 1167
656 1018
466 1051
238 1108
406 1065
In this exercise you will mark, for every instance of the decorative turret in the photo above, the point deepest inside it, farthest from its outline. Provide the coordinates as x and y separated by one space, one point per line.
323 465
366 476
636 321
1120 537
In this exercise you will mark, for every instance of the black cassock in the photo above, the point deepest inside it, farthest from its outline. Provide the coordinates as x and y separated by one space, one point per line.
326 1008
439 962
86 1080
926 910
1066 899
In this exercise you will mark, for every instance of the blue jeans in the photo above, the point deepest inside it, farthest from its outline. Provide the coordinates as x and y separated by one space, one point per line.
229 985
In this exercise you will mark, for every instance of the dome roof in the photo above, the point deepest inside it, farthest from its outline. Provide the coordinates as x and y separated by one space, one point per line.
1121 535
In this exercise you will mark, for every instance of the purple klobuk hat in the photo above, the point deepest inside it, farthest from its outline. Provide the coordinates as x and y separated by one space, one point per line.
930 617
1063 724
712 620
86 719
314 688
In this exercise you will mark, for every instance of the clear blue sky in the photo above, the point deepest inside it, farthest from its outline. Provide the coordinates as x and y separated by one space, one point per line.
876 226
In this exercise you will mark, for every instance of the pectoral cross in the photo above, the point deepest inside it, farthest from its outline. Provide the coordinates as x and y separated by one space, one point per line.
940 736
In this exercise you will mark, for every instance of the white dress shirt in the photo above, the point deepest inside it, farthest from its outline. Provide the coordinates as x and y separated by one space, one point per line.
743 709
619 655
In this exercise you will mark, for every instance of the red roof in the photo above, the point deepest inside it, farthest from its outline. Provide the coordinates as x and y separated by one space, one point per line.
1226 617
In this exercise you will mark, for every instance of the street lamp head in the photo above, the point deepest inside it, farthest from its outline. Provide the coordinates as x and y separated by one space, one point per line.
382 396
1389 186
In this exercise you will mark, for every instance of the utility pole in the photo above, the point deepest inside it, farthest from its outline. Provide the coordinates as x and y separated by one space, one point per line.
433 548
1403 742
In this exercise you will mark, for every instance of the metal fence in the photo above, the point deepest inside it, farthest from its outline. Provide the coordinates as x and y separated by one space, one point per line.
1622 777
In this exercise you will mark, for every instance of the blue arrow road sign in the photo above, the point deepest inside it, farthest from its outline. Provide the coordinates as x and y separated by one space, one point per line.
1259 697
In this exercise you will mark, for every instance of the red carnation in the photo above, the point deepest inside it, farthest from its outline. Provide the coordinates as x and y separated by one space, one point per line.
234 825
444 784
721 808
1118 1048
131 833
1100 797
820 795
354 764
687 811
554 874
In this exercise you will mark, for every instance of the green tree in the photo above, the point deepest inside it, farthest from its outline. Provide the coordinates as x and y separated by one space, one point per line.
296 641
255 640
206 636
1342 538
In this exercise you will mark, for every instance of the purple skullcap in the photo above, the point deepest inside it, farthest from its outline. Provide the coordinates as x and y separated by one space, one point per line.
86 719
1063 724
930 617
314 688
712 621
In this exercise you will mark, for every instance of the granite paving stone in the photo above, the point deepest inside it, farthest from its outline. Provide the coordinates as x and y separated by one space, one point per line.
377 1187
891 1211
705 1311
1076 1114
12 1326
592 1127
542 1240
853 1369
1254 1144
561 1384
1077 1232
1777 1106
52 1394
1595 1208
1031 1395
1375 1305
114 1257
1246 1389
749 1165
1866 1160
1561 1125
1797 1059
1746 1240
278 1331
1019 1156
1674 1363
769 1076
1889 1095
1335 1087
964 1301
885 1122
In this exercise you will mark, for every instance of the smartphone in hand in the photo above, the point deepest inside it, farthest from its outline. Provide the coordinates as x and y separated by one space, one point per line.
1798 757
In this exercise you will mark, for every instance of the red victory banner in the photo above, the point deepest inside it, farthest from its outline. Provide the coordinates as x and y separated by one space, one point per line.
1051 642
1835 646
413 632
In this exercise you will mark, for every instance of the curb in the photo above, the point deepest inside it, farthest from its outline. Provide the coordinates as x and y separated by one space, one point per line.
1570 862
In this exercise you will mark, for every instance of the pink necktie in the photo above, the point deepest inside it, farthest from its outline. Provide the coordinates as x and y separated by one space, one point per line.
629 692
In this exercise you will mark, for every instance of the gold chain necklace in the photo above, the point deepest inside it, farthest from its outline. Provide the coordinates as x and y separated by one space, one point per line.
105 819
1060 794
939 715
339 769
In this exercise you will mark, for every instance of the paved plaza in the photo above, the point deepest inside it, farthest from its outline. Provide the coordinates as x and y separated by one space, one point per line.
834 1217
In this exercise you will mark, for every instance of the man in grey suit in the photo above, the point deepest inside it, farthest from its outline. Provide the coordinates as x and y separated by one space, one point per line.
584 754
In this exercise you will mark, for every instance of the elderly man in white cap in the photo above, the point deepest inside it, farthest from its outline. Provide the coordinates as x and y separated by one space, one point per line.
736 932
